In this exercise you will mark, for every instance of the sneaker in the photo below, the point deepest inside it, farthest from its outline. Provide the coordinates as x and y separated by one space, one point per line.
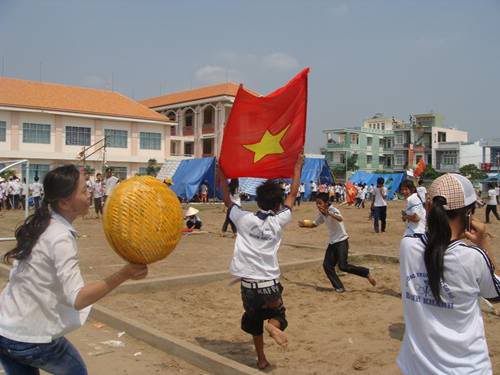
340 290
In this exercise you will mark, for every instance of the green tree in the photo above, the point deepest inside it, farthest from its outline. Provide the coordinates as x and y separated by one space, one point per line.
352 162
88 169
153 168
472 172
430 173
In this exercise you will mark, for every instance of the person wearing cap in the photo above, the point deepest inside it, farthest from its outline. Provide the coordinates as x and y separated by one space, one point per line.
441 278
193 221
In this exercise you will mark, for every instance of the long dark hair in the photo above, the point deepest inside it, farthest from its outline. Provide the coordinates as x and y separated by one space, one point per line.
438 240
58 184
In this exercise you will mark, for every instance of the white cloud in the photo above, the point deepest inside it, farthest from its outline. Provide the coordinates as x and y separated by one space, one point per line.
279 61
211 74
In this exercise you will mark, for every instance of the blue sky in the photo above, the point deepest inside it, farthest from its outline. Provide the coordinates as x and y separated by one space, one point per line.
394 57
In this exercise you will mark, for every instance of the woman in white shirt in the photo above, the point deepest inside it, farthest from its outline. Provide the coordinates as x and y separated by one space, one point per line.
46 297
414 214
441 278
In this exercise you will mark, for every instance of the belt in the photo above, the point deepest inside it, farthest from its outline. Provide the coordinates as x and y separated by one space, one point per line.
259 284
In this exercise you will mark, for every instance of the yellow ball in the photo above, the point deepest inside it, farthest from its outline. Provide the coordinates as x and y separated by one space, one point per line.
143 220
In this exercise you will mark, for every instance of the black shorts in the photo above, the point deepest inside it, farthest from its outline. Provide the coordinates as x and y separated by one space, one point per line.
260 305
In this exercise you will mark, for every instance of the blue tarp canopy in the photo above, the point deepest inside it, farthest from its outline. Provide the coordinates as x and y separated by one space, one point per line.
314 169
391 180
190 174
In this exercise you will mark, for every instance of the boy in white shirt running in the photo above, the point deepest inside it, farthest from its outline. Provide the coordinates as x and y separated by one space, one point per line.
255 260
491 204
338 245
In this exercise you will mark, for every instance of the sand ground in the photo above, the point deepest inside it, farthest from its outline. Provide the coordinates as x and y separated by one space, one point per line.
357 331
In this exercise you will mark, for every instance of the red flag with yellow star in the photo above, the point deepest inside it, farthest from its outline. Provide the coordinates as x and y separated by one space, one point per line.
265 134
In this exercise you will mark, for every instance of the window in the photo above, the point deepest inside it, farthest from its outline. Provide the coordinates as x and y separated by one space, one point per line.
399 159
208 116
449 158
188 148
3 130
369 159
77 136
354 139
174 147
150 141
441 137
36 133
116 138
399 139
189 117
120 172
208 146
143 171
388 143
369 141
36 170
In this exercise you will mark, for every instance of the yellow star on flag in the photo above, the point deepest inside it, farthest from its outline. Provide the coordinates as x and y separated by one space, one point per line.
269 144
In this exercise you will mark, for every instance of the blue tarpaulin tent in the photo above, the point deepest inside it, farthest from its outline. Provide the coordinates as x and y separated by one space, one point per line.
392 180
314 169
190 174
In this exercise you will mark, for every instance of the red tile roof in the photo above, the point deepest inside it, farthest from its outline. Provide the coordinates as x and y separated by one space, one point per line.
227 89
56 97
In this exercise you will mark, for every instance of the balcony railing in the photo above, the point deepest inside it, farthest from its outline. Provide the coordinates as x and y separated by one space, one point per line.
187 130
208 129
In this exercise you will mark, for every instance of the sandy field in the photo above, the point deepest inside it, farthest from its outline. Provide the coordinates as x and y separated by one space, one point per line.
357 331
330 333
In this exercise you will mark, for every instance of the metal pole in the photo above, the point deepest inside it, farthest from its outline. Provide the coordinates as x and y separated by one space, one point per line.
27 196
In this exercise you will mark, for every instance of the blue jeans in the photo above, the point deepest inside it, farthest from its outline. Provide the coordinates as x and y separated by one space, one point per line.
58 357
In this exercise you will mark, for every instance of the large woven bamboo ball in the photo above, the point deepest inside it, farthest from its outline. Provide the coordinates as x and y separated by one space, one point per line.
143 220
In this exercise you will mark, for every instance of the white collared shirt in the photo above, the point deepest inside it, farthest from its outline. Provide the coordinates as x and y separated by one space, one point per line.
259 238
110 184
414 206
37 305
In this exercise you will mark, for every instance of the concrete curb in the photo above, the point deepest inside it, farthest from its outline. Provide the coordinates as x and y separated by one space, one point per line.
199 278
193 354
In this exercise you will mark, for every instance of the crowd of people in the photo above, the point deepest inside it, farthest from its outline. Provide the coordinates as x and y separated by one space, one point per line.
13 193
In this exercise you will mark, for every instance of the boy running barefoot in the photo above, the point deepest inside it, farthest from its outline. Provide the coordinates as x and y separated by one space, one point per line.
255 260
338 246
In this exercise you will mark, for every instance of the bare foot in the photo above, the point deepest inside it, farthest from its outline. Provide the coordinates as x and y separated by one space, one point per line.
372 280
278 335
263 364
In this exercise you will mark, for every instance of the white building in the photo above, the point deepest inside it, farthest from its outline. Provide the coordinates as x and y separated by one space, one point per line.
451 156
49 124
201 114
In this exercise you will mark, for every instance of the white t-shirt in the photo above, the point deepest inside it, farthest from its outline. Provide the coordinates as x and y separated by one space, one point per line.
379 200
415 206
302 188
422 192
258 241
110 184
336 229
235 198
36 189
448 337
37 305
314 187
98 189
203 189
15 187
287 189
492 197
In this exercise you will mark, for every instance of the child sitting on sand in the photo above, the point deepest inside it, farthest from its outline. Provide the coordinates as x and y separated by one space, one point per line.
193 221
338 246
255 260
